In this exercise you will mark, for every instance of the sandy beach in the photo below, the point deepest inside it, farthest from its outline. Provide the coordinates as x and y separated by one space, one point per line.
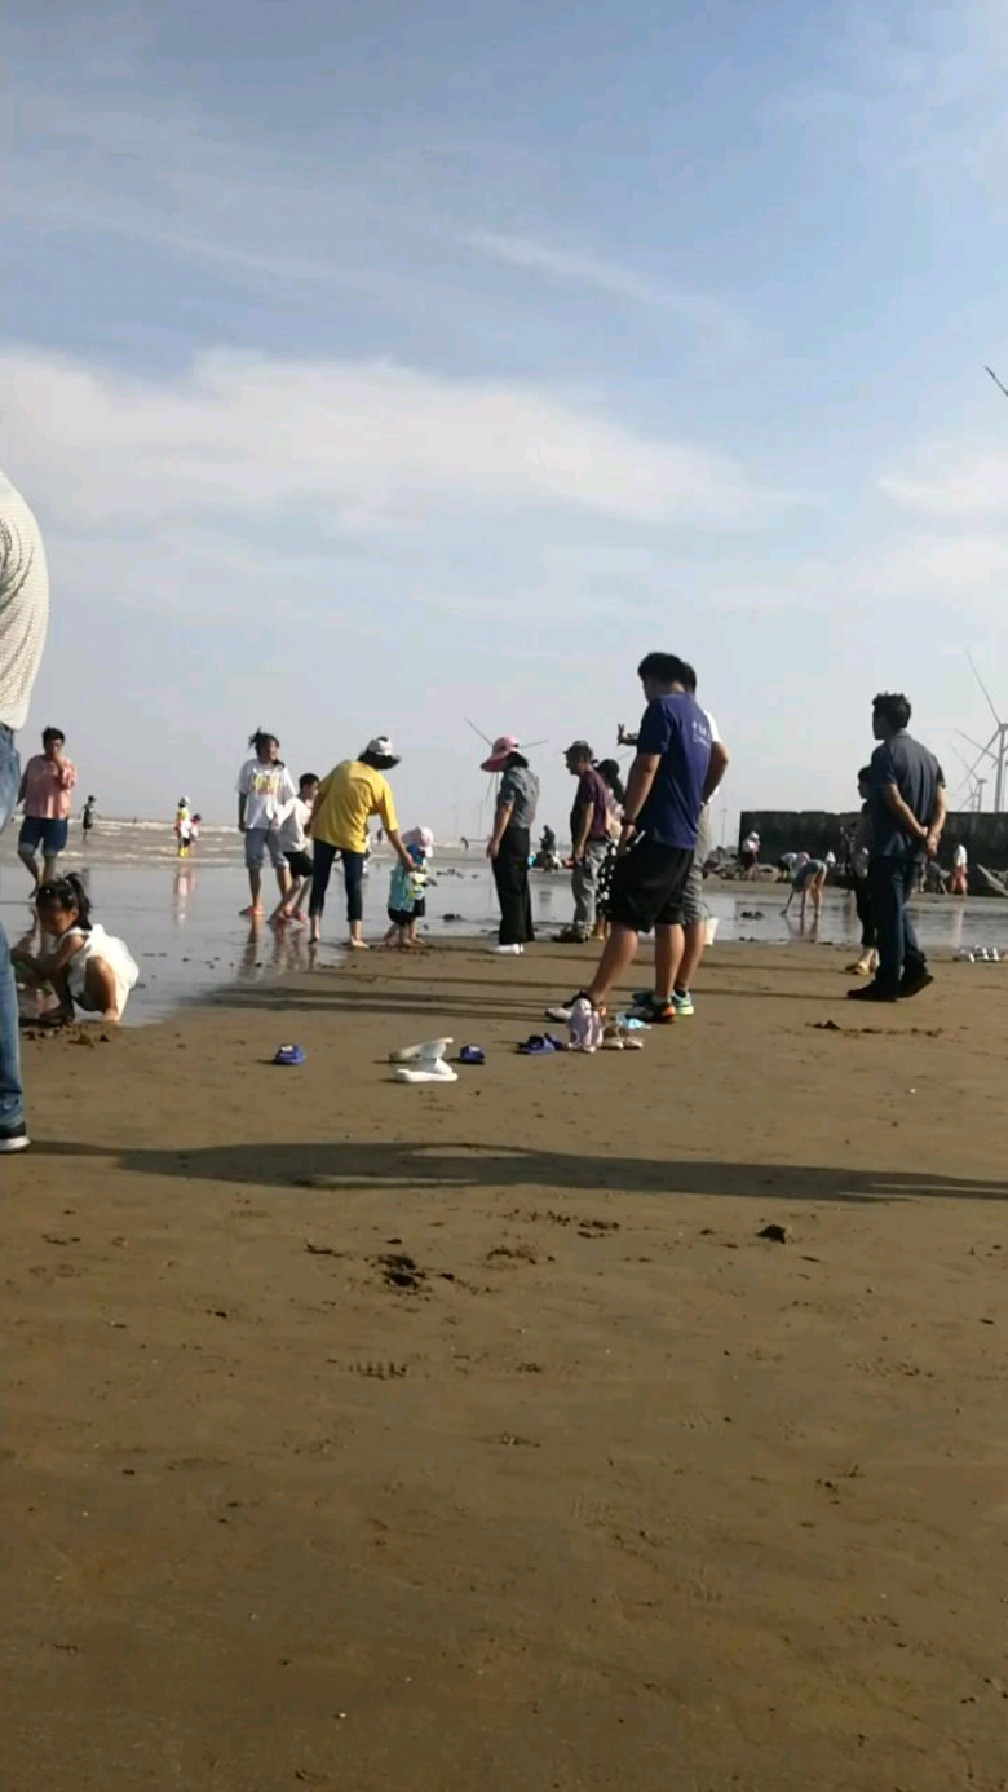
363 1437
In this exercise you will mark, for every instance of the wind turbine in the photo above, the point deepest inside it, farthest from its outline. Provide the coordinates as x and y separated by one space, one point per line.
973 785
996 749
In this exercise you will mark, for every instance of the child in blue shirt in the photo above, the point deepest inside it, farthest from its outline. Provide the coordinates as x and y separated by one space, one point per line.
406 905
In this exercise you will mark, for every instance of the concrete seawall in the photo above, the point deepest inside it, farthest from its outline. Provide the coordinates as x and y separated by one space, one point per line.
817 831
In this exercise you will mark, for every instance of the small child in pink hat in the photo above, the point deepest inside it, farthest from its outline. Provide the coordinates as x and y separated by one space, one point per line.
406 904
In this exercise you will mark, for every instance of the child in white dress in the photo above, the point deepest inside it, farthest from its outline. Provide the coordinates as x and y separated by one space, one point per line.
84 964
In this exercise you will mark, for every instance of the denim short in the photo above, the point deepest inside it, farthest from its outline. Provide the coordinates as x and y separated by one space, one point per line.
259 841
44 831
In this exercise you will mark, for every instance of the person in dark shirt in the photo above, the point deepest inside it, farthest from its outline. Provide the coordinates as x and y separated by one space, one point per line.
589 838
906 813
859 859
510 845
668 784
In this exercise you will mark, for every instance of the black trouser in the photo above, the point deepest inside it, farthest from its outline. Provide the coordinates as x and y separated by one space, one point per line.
510 869
353 877
891 882
865 914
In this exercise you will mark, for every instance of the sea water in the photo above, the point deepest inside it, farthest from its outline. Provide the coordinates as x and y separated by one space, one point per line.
181 919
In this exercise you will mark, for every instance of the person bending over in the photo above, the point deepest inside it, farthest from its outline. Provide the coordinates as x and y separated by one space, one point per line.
353 792
809 880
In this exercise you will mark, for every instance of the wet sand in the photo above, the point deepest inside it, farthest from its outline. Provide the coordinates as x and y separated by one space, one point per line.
363 1437
182 925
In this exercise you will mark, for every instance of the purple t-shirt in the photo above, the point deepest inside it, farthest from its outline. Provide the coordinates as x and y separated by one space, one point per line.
678 729
591 794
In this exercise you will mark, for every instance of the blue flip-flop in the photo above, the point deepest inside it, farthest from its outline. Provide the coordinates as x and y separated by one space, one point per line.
289 1054
472 1054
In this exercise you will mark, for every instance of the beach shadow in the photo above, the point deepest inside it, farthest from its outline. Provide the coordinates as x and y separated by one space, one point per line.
372 1164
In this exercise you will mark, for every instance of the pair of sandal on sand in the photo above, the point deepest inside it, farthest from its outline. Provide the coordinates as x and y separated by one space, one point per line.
427 1062
424 1063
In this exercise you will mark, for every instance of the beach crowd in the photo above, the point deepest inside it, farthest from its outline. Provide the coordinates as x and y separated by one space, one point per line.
636 859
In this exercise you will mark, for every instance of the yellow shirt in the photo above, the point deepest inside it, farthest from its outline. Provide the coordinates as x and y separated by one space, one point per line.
346 801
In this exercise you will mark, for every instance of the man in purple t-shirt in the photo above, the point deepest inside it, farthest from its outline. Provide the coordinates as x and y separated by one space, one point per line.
666 790
589 838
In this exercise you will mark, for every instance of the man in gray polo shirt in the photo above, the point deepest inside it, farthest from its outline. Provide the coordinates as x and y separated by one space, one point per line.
589 838
906 814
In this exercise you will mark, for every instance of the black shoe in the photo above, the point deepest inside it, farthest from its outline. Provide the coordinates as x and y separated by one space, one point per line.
15 1140
871 992
914 981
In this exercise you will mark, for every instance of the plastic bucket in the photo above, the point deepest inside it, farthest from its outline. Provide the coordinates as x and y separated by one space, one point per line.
710 929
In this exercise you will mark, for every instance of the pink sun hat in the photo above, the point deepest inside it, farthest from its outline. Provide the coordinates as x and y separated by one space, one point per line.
503 745
421 837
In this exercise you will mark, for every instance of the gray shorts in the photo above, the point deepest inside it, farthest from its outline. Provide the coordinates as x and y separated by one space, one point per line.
693 905
259 842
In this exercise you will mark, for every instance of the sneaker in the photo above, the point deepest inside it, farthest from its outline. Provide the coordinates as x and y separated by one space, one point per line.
655 1010
507 951
15 1140
682 1002
662 1014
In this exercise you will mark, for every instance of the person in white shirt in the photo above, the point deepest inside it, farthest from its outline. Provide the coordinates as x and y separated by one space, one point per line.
294 825
959 885
265 788
24 619
750 854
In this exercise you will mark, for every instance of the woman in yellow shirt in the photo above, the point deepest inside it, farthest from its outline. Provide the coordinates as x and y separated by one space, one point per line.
354 791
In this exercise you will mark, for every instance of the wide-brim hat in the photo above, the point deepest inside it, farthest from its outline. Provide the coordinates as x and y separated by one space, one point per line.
500 752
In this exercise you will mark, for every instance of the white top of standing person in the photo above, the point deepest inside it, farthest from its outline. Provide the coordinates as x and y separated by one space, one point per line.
268 790
24 604
294 826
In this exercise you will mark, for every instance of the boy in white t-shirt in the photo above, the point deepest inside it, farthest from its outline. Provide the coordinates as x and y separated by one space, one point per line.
265 788
294 825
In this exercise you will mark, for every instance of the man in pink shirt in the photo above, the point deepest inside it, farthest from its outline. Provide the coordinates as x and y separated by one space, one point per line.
45 790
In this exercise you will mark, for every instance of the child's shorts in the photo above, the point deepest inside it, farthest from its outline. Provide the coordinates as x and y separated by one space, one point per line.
300 864
401 917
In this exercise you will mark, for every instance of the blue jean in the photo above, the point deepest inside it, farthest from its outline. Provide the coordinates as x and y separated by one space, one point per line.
11 1091
890 881
353 878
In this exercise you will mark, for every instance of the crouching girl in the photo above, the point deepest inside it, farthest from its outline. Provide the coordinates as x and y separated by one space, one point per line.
83 964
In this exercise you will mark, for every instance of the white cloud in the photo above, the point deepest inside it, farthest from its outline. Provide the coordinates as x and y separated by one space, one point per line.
341 448
950 482
952 566
572 268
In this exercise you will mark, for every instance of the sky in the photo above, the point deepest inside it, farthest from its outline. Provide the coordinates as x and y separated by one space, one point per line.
375 367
